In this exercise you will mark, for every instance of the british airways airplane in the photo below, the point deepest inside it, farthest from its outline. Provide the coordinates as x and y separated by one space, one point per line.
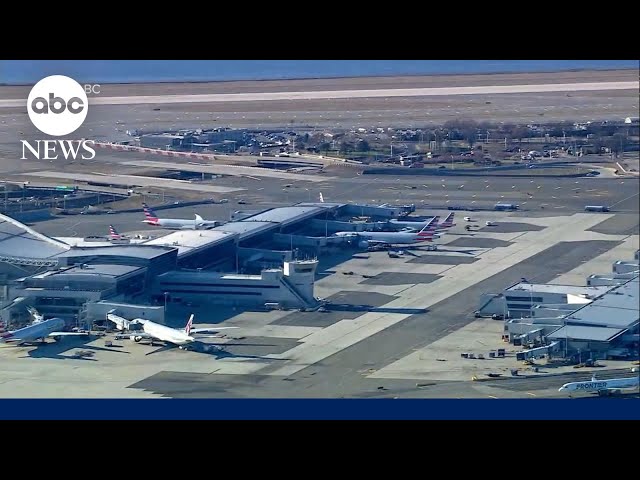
155 331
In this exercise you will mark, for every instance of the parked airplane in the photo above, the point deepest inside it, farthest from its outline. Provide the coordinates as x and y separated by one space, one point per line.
369 239
154 331
603 387
413 225
197 223
39 329
432 223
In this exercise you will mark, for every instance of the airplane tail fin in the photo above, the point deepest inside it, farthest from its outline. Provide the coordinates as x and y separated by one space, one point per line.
448 222
35 315
148 212
431 225
113 233
321 198
426 230
199 218
189 325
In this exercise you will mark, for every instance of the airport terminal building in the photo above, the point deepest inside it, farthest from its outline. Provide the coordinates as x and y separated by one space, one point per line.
577 323
266 258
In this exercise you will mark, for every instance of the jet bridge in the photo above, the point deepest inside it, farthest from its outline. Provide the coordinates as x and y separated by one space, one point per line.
537 352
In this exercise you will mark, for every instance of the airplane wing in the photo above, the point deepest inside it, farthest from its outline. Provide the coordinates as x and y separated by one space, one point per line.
132 334
67 334
13 340
209 330
377 242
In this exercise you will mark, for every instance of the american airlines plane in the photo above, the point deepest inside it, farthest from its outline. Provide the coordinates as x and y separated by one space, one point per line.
114 235
432 222
40 329
369 239
602 387
198 223
154 331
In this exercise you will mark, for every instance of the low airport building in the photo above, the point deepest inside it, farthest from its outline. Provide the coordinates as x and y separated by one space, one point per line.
607 327
593 322
519 300
288 287
611 279
621 267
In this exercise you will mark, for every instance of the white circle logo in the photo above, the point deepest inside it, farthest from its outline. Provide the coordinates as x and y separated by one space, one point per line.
57 105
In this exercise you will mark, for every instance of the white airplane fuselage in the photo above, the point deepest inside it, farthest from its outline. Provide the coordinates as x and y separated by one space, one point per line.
601 385
33 332
180 224
395 238
414 225
166 334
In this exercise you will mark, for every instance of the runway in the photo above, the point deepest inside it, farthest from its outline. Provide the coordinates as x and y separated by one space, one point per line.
350 94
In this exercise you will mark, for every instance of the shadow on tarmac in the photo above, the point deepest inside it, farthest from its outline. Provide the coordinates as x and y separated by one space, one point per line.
345 307
55 350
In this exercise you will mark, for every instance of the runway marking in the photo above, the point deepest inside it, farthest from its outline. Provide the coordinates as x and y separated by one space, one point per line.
623 200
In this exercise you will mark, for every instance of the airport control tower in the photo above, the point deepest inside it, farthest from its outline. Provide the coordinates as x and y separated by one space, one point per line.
300 274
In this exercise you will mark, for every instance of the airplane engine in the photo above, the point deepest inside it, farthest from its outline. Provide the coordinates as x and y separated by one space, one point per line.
57 338
363 244
136 338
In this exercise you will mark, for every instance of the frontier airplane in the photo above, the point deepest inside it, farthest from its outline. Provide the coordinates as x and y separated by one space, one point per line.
602 387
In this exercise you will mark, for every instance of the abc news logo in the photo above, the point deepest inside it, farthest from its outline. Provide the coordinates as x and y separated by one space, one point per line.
58 106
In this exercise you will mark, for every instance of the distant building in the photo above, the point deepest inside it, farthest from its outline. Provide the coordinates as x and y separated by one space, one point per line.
519 300
222 134
163 141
